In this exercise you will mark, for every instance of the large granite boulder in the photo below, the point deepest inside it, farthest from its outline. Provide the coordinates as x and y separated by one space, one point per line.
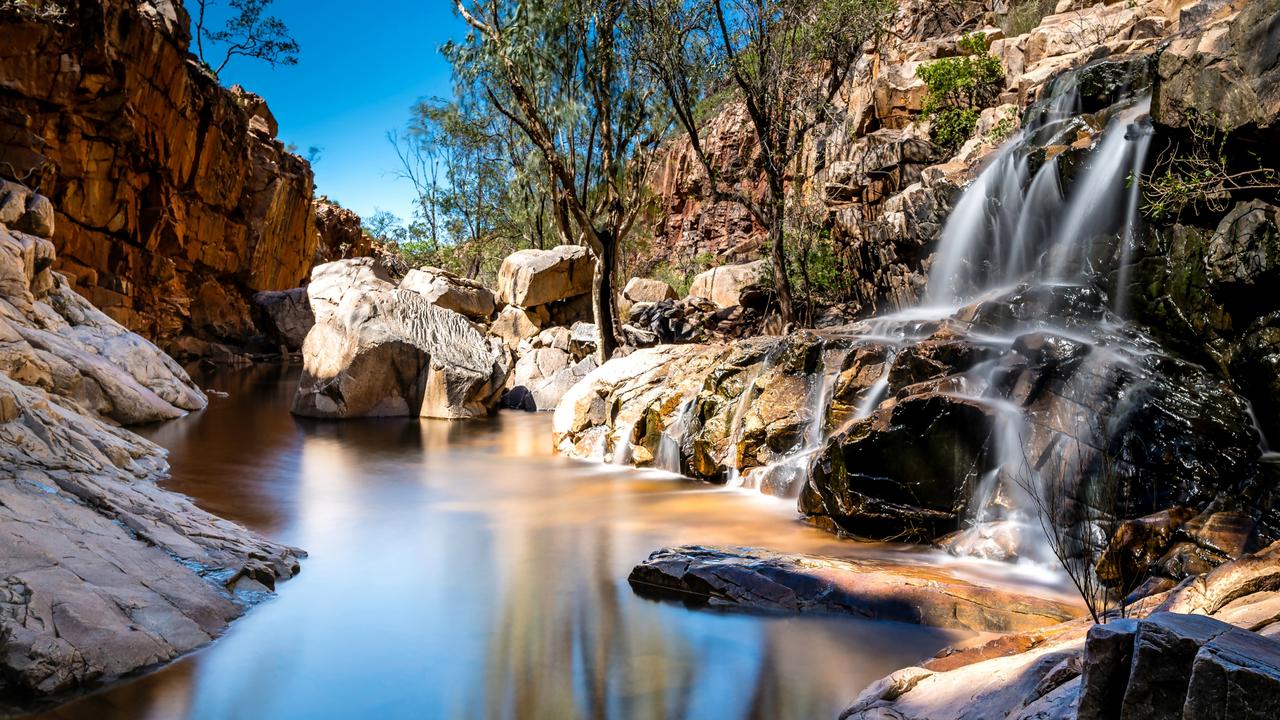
103 572
529 278
446 290
724 285
380 350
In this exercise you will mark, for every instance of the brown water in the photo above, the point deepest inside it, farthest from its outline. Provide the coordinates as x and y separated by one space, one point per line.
460 570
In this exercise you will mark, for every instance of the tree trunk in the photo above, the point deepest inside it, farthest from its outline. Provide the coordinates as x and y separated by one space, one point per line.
602 298
778 254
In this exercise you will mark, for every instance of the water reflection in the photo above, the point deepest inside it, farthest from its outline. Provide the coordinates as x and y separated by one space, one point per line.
460 570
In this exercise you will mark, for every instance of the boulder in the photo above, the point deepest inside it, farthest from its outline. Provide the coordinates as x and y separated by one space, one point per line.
1235 676
640 290
379 350
515 324
542 376
285 316
760 580
529 278
451 292
724 285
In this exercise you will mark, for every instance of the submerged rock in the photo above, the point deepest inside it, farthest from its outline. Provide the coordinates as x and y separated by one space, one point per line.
377 350
754 579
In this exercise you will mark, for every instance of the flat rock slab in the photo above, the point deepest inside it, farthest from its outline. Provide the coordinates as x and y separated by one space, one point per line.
750 578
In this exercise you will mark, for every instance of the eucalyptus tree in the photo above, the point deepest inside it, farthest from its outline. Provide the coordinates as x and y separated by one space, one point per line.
786 61
249 32
567 76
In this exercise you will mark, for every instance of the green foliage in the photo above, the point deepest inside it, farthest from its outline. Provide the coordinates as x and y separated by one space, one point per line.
679 273
958 88
249 32
1199 174
1025 15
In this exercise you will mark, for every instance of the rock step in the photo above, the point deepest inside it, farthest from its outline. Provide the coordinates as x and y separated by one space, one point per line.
1173 665
755 579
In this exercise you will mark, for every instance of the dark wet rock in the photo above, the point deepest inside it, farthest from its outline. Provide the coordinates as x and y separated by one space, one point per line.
1137 545
905 472
753 579
285 317
1164 651
1108 653
1105 83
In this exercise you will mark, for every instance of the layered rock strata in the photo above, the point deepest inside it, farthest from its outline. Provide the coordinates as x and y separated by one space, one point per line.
175 201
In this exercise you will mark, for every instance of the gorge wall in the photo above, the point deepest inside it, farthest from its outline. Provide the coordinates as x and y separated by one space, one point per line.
175 201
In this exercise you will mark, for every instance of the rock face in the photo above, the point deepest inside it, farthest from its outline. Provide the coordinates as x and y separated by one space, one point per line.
753 579
381 350
284 316
104 572
339 233
175 202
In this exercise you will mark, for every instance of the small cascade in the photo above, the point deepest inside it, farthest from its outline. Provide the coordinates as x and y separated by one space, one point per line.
1129 240
668 457
735 478
874 394
784 477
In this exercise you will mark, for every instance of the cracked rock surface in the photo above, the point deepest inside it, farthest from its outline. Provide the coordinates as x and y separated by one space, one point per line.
102 572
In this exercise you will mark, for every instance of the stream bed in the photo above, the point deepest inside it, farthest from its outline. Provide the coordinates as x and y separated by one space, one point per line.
462 570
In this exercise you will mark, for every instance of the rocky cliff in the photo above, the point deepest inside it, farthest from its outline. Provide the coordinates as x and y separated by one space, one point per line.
175 201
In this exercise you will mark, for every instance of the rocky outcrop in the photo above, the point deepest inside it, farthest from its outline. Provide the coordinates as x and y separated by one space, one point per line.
339 233
103 572
380 350
175 201
284 317
753 579
549 364
1208 647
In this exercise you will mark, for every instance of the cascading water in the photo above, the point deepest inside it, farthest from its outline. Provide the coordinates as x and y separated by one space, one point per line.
1014 227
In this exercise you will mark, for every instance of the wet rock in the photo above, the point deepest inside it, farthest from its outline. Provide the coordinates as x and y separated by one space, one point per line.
753 579
724 285
529 278
448 291
378 350
1137 545
285 317
1164 651
905 472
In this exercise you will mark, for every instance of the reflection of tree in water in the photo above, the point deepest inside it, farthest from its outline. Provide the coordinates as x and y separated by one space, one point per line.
562 646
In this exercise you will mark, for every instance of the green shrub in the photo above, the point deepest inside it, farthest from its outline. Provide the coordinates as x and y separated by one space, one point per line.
958 88
1025 16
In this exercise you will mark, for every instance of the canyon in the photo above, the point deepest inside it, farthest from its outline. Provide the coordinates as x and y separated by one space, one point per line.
1029 364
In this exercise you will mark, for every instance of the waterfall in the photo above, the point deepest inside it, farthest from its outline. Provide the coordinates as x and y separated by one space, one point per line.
668 457
1130 240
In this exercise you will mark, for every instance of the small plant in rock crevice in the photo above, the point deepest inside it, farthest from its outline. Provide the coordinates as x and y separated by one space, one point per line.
958 88
1199 174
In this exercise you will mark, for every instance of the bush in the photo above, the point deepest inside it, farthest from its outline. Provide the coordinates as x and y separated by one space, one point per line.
958 88
1025 16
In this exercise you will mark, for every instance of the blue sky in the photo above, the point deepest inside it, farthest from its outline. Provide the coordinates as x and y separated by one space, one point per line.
362 66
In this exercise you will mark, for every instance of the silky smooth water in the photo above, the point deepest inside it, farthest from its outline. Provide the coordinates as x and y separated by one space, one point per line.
461 570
